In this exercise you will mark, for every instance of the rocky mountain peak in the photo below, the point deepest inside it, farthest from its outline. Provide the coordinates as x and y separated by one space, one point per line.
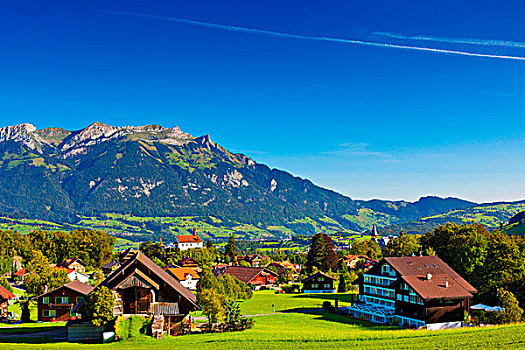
20 133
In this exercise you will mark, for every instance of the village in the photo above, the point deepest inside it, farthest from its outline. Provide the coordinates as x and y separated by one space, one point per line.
188 287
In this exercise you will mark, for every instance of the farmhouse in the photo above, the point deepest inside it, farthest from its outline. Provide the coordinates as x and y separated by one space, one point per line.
5 296
251 276
351 261
319 283
74 275
188 277
185 242
110 267
74 264
253 259
418 291
141 287
58 303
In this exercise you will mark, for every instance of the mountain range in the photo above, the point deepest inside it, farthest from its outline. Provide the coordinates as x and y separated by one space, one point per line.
105 171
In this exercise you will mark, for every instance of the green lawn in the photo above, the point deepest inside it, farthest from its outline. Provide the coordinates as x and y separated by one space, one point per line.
318 330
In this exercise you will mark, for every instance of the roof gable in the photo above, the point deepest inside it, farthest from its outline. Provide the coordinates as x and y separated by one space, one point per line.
316 275
76 286
246 274
5 294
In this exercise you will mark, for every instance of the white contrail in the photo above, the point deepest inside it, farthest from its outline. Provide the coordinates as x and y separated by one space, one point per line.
470 41
316 38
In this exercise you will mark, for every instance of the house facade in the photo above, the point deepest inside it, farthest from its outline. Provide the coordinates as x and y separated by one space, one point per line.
59 303
141 287
251 276
5 296
417 291
185 242
74 264
319 283
74 275
188 277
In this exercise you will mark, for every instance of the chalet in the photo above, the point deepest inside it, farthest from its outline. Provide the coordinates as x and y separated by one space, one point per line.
74 275
5 296
251 276
418 291
188 277
189 263
110 267
59 303
20 275
74 264
141 287
352 261
185 242
319 283
279 268
254 259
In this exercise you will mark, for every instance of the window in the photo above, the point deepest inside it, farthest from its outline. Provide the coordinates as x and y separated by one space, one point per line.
399 297
315 285
45 300
62 300
320 279
326 285
49 313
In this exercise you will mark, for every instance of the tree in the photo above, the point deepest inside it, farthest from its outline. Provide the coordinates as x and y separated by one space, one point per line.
321 253
341 288
403 245
99 306
42 276
366 247
513 313
231 247
212 306
244 263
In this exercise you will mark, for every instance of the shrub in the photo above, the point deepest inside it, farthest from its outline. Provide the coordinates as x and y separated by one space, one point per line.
327 305
291 288
132 327
99 306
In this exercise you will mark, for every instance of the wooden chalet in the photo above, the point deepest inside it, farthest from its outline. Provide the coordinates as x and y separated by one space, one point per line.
5 296
253 259
73 264
110 267
352 261
141 287
319 283
189 263
418 291
59 303
251 276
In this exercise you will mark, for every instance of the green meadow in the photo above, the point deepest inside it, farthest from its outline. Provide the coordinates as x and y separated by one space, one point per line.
296 325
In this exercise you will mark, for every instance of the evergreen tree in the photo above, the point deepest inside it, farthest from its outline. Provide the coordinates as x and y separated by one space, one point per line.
317 253
341 288
231 247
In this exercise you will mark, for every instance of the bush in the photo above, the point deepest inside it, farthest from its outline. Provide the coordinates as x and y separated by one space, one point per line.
132 327
291 288
99 306
327 305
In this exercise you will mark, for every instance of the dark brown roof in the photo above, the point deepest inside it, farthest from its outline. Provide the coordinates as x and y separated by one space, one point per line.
115 278
317 274
435 288
5 294
420 265
77 286
70 261
246 274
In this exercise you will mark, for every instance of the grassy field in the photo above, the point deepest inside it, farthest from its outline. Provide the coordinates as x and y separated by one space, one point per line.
296 329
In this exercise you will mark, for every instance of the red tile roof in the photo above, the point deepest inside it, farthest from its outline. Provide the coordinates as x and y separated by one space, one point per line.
188 239
246 274
21 273
5 294
181 273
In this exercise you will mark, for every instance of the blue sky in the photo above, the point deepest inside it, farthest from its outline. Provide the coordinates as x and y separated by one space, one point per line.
367 121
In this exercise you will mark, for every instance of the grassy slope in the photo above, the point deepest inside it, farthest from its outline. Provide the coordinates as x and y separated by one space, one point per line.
318 330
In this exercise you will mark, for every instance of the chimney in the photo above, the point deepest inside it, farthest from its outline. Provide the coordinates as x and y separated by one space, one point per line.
45 289
194 231
446 284
429 276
